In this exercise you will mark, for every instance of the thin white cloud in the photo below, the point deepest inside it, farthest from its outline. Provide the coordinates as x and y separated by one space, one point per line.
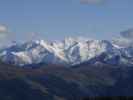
127 34
3 35
125 39
91 1
3 32
3 29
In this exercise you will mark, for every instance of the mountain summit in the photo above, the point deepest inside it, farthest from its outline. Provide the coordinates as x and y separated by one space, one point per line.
71 51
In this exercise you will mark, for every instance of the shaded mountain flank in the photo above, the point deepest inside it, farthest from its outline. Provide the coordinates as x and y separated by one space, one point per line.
64 83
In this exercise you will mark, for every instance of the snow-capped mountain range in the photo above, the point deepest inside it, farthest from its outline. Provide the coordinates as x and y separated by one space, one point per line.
70 51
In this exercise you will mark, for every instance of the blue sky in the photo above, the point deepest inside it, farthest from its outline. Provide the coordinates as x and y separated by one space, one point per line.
56 19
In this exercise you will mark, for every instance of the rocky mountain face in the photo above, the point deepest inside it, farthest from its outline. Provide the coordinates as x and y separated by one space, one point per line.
71 51
72 69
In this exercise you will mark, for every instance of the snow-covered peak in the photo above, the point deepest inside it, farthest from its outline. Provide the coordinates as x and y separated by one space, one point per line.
70 51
